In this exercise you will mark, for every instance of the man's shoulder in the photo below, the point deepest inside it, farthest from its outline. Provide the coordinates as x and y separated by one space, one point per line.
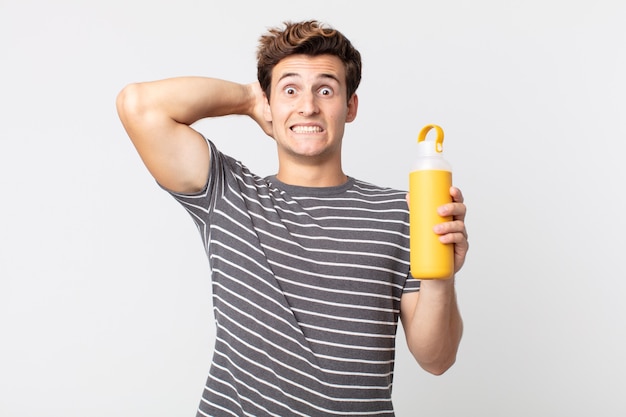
376 188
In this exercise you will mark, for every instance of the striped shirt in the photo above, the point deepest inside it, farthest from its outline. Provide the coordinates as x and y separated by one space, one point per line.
306 287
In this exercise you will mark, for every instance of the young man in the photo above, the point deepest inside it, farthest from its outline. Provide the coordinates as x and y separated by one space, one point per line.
310 267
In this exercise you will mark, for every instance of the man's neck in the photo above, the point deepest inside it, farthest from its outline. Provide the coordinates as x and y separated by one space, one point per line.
312 176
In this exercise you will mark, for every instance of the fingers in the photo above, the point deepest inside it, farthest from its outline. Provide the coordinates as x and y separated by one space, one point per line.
451 232
457 195
456 209
454 231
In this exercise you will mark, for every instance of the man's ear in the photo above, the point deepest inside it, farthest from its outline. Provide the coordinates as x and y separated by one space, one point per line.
353 106
267 112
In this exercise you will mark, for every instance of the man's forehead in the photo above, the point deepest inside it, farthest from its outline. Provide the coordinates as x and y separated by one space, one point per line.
304 66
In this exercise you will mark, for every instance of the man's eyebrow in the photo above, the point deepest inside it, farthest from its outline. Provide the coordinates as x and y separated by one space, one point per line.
320 76
288 75
331 76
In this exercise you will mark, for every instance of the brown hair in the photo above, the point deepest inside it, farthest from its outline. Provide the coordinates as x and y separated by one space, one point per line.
309 38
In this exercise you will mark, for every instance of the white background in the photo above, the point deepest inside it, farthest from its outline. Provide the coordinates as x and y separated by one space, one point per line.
104 289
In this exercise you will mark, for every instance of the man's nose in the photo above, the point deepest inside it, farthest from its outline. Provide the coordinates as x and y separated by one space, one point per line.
307 104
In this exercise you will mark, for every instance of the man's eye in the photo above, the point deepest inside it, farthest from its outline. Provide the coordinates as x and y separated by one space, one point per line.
290 91
326 91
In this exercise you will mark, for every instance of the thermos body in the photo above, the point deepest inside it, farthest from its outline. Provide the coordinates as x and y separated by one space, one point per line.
430 180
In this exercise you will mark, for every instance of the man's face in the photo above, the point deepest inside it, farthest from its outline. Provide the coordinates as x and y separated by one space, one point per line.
308 107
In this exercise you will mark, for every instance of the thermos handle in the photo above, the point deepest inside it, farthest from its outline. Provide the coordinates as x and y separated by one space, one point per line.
438 141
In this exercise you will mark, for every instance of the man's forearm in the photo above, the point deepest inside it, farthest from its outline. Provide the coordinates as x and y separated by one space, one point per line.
189 99
435 329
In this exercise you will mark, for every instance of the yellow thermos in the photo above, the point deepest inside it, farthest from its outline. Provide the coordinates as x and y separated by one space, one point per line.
429 187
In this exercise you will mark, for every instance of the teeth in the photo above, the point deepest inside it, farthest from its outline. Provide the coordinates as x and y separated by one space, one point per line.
306 129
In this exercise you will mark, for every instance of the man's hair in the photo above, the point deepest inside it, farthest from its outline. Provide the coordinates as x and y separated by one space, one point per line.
308 38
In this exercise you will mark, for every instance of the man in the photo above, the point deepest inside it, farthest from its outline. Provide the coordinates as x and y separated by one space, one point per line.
310 267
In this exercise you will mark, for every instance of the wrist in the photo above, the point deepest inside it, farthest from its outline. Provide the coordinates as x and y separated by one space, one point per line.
438 284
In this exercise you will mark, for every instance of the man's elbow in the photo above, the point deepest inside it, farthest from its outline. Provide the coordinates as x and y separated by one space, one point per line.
438 367
435 361
128 101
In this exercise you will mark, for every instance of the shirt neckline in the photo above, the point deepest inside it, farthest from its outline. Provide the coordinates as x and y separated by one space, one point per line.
298 190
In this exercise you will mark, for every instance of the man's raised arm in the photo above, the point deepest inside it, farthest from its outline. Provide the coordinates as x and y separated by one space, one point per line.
157 116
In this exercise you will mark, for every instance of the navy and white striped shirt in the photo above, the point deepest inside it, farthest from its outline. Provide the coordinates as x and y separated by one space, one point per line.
306 289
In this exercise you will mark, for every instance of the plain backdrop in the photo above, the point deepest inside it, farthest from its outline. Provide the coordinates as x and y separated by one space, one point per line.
105 305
